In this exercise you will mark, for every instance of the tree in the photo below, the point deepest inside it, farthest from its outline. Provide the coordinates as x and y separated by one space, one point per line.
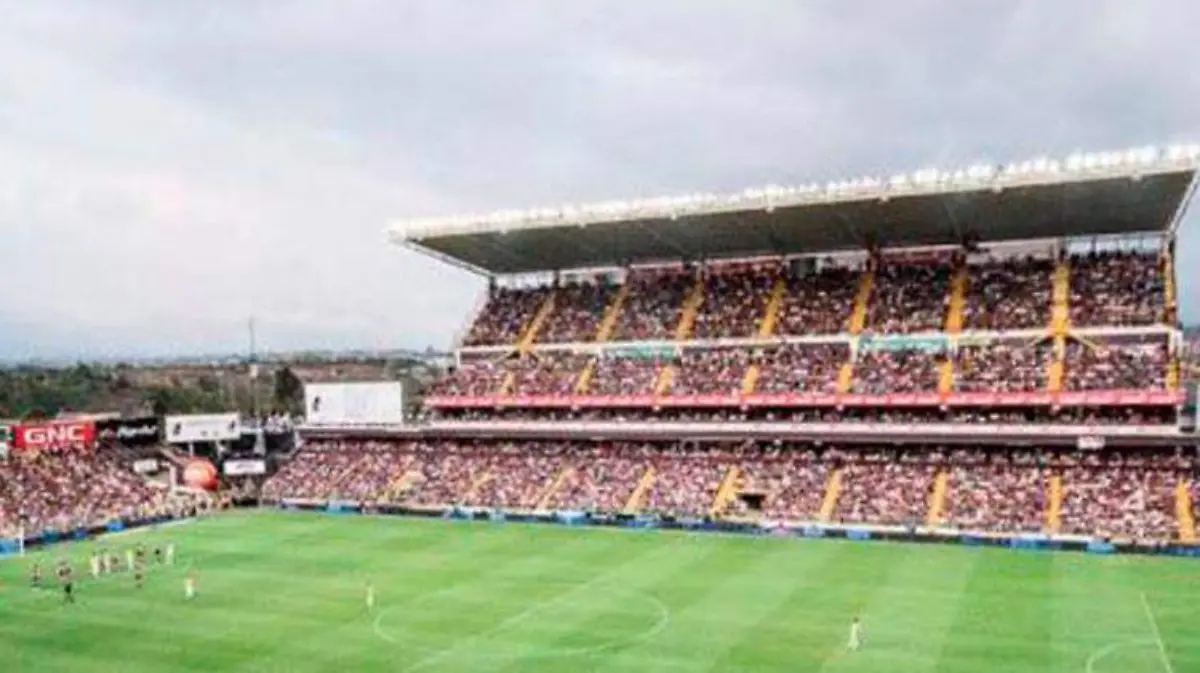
289 389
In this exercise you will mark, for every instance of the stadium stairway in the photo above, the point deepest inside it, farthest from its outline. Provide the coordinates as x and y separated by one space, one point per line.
691 308
833 489
958 300
858 315
937 498
1183 512
946 377
1169 298
845 377
666 378
726 492
476 484
605 330
556 484
638 498
1054 504
530 333
585 378
766 329
401 483
1060 322
508 384
1172 379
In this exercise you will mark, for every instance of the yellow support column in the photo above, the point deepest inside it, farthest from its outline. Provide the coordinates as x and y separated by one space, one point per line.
858 316
1183 512
1054 505
725 492
958 300
766 329
833 489
555 485
691 308
530 333
585 377
638 497
937 498
604 331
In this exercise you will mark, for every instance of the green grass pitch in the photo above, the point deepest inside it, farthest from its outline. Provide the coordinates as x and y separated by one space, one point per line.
286 592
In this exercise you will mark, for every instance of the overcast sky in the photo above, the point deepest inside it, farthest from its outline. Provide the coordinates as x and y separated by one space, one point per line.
168 169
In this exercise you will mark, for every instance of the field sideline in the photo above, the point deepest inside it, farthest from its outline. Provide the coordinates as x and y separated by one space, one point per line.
285 592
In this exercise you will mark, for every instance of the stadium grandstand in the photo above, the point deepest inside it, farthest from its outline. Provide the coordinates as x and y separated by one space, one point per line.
995 349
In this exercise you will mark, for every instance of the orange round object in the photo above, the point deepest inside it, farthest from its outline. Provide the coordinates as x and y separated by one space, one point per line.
200 473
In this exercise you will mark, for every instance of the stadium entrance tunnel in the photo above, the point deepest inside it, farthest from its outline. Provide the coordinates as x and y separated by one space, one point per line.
520 620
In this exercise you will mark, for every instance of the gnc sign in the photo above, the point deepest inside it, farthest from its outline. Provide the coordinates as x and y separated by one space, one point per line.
54 435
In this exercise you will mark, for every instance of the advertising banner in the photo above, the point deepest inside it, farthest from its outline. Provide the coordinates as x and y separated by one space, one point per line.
53 435
202 428
347 404
142 431
241 468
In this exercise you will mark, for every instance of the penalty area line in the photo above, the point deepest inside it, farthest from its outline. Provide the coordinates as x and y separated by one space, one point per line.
1162 648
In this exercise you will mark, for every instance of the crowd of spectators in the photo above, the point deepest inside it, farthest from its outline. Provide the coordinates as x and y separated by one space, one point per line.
1008 294
818 303
735 301
1123 494
474 378
907 298
809 368
66 490
578 309
548 373
652 309
615 375
886 487
1119 496
505 315
1114 367
710 371
883 371
995 491
1116 288
1001 368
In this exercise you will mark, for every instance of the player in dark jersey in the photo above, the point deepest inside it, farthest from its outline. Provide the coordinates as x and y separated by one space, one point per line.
64 578
140 554
158 555
139 571
35 575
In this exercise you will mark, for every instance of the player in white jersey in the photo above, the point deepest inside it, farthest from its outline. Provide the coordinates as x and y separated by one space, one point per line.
95 563
189 585
129 559
855 635
370 596
170 553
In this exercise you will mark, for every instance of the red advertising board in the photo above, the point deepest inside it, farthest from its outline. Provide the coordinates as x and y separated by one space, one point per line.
54 435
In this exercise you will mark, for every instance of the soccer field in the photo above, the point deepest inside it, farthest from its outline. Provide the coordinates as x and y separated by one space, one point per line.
286 592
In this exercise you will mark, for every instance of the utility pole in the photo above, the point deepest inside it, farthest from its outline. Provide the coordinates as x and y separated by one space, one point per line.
253 366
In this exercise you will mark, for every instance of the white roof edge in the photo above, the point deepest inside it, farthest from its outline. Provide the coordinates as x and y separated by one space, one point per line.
1075 168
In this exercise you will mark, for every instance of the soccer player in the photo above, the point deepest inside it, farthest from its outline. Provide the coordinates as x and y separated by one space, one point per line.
35 574
158 554
189 585
370 596
170 553
855 635
95 563
139 573
64 576
129 559
139 554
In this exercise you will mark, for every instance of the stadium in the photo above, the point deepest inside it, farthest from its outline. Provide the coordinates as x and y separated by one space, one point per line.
708 432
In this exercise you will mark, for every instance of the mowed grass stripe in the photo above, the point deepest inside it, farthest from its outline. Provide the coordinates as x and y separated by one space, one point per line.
284 592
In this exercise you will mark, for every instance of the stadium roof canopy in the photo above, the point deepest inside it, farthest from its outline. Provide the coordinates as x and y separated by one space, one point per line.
1136 191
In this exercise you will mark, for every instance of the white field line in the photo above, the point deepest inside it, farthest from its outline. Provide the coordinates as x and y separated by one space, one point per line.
1162 648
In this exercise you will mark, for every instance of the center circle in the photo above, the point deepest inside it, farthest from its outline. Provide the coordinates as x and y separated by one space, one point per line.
495 639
